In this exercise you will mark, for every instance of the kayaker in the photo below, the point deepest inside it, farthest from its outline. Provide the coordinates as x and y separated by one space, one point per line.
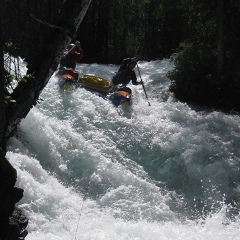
71 56
125 75
69 60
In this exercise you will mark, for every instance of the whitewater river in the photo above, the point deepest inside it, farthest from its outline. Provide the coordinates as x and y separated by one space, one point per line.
92 171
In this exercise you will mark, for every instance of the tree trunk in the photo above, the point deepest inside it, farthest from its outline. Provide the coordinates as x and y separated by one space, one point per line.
220 38
2 97
42 67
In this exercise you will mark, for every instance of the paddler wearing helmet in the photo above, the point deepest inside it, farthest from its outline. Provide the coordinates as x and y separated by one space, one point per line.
125 74
71 56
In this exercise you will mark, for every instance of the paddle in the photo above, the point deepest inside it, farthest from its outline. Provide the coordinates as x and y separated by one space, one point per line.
143 86
76 43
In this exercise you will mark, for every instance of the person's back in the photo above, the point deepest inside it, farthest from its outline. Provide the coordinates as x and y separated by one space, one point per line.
125 74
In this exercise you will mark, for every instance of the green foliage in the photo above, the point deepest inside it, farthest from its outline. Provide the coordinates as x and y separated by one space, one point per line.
193 58
195 78
207 64
147 29
11 82
195 73
208 57
202 19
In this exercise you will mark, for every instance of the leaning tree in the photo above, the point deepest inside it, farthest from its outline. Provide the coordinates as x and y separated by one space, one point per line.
39 43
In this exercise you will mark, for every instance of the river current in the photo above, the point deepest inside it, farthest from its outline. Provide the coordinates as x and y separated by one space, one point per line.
91 170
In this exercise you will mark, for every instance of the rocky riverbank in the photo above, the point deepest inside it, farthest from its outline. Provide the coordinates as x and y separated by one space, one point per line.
13 222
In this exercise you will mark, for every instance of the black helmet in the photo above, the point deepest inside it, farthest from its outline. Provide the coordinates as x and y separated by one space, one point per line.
132 64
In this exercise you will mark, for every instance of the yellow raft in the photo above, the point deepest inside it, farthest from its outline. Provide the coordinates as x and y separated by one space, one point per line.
94 82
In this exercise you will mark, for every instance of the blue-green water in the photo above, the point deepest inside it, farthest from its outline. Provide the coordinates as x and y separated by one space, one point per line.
94 171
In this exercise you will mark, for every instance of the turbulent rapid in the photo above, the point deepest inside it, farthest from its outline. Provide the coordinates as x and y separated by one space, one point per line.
91 170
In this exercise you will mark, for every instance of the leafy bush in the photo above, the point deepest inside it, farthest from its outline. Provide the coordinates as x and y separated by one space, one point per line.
195 78
195 74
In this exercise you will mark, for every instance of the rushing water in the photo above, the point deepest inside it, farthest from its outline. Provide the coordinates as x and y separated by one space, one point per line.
94 171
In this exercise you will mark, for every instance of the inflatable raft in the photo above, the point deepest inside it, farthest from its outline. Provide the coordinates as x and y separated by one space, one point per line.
95 83
68 79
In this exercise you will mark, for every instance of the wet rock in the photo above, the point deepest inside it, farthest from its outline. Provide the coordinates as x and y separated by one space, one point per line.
12 221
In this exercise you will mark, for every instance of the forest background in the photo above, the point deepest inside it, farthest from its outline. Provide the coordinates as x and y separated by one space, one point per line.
204 37
205 33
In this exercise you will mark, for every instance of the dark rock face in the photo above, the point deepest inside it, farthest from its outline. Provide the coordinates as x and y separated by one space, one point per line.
17 225
12 221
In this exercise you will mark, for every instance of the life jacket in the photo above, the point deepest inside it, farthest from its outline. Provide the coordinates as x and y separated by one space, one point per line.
121 78
124 94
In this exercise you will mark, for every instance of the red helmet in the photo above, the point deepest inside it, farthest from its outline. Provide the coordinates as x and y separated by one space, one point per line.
70 46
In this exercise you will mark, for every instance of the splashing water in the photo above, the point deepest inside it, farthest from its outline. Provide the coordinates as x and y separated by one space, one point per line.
94 171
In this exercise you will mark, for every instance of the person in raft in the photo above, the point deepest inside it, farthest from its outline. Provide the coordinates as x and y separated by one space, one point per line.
71 56
125 74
